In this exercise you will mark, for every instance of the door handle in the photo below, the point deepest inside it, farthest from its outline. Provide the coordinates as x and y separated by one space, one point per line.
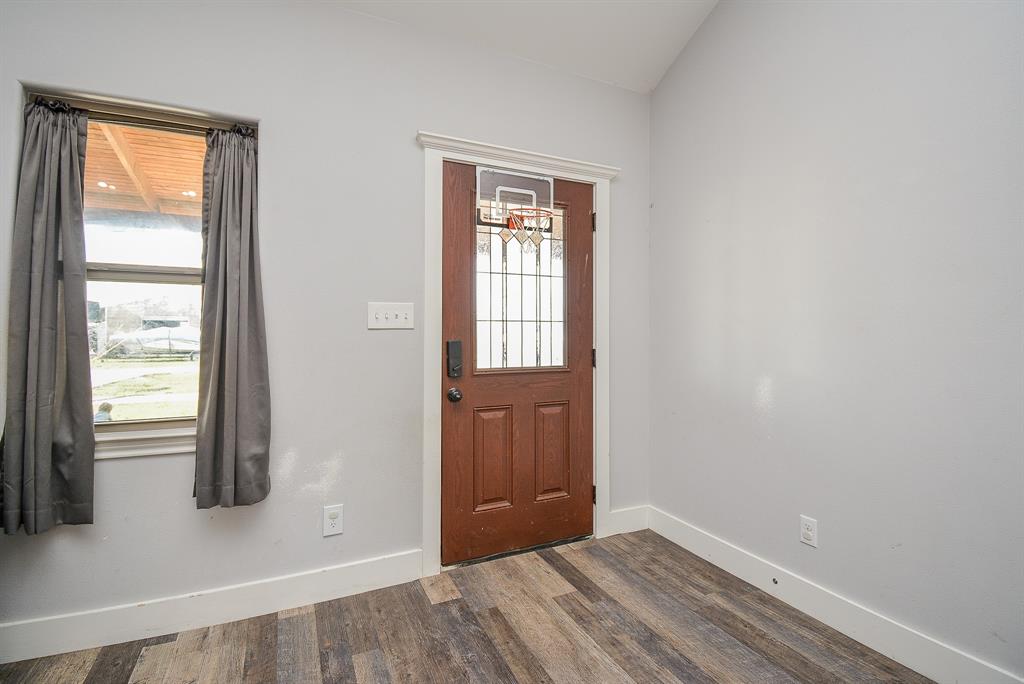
454 394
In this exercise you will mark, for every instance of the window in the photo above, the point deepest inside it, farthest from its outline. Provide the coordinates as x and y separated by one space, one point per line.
520 272
143 245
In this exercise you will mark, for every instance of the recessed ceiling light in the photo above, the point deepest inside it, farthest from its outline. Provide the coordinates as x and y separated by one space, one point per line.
102 184
112 187
189 193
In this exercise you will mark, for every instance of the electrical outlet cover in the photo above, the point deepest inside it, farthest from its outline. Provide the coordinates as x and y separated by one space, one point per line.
332 520
809 531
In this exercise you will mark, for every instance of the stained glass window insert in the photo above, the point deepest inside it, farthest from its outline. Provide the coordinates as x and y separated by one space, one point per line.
520 291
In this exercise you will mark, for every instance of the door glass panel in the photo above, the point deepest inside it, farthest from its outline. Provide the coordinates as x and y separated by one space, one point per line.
557 345
519 291
483 341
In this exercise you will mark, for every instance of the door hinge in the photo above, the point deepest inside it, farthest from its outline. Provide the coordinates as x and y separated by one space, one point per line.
593 358
593 220
593 491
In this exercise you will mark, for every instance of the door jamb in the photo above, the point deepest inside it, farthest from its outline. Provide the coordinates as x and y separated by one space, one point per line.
438 149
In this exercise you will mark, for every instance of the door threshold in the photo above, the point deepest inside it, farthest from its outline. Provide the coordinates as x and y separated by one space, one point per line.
516 552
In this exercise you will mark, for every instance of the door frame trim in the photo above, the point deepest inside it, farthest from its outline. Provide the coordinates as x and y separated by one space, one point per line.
437 149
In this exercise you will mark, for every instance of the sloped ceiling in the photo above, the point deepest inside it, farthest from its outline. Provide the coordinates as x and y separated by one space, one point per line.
630 44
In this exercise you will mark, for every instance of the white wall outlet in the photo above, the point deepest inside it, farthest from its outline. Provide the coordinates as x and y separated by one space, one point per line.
809 531
389 315
332 520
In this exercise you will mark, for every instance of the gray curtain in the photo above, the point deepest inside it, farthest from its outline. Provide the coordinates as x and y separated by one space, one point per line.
48 434
233 431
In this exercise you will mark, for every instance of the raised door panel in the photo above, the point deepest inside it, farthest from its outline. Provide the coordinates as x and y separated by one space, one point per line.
492 458
551 428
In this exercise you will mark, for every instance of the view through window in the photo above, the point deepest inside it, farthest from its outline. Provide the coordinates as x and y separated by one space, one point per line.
143 243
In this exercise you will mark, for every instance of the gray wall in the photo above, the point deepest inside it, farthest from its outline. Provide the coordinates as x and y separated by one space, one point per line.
837 326
339 97
835 267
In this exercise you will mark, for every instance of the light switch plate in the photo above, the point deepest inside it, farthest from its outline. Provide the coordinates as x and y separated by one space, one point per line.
333 519
389 315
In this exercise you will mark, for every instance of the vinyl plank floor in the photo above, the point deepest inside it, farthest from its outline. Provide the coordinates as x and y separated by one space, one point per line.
629 608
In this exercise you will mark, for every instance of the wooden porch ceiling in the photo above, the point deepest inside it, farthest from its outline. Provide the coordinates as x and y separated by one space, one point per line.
143 170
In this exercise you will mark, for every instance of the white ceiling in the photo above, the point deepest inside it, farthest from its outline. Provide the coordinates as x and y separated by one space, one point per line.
628 43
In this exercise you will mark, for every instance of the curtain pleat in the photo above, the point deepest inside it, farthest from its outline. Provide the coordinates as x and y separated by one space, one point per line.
233 428
48 444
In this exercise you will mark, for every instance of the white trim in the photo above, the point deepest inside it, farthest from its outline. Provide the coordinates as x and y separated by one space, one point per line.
602 374
487 153
438 148
623 520
165 615
132 443
431 322
904 644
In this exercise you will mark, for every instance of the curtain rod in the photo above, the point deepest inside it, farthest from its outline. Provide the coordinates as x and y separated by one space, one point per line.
138 115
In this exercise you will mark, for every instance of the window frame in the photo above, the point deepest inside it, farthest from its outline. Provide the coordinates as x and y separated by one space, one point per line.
153 428
154 436
141 273
127 113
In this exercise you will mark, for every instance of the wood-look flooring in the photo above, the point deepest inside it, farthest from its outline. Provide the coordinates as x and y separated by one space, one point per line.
632 607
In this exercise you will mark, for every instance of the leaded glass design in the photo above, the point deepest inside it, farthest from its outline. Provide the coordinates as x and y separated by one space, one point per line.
520 293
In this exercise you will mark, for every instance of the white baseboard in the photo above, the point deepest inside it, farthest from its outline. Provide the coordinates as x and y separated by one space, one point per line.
930 657
624 520
114 624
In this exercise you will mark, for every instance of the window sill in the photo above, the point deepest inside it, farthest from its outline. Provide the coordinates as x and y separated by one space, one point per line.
158 442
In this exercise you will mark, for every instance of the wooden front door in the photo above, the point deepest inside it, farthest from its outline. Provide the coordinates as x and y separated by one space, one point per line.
517 424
